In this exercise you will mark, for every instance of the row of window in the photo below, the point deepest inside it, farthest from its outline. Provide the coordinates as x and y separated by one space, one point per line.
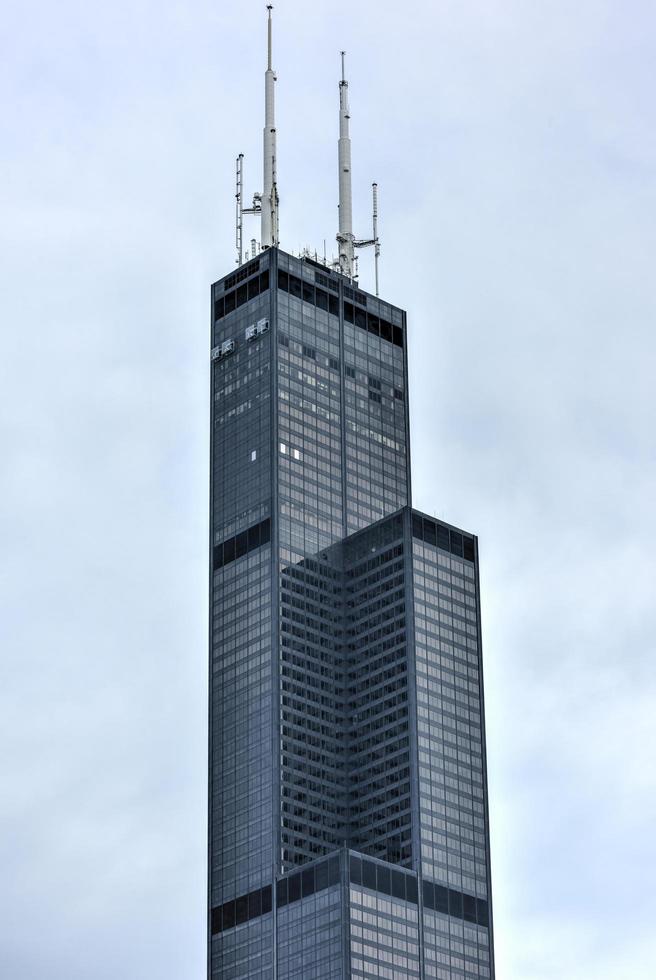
352 314
400 885
328 282
237 297
245 272
240 910
360 298
373 324
379 878
308 881
308 292
242 543
424 529
455 903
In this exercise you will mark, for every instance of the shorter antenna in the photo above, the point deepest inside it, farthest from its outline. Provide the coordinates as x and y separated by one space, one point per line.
239 221
375 241
374 188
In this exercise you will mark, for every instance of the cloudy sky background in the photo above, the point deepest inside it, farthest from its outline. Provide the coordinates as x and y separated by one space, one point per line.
515 148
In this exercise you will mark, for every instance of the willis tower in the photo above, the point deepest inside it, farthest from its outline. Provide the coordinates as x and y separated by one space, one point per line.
348 818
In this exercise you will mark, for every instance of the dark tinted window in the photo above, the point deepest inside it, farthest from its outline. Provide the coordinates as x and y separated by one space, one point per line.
428 893
228 915
254 904
355 870
398 884
294 888
241 910
369 875
333 870
456 543
455 903
469 908
307 881
321 875
441 898
384 880
282 894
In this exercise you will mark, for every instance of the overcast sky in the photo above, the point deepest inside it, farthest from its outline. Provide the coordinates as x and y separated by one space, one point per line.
514 142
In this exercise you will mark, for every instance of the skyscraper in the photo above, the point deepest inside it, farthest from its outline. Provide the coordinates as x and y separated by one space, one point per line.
348 829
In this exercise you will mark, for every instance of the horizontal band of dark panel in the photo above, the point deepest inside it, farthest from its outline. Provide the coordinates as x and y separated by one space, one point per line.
241 544
449 901
432 532
240 910
310 293
308 881
324 280
237 297
383 878
245 272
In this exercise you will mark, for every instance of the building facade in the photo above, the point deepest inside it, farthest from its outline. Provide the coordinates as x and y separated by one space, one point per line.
348 825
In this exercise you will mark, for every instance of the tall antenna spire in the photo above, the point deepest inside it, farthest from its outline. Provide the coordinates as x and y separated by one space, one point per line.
345 237
270 189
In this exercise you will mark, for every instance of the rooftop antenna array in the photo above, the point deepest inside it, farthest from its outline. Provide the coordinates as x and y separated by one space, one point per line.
265 203
346 240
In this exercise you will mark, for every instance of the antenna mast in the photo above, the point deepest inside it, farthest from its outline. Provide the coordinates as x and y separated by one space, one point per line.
348 263
270 189
374 188
345 238
239 223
